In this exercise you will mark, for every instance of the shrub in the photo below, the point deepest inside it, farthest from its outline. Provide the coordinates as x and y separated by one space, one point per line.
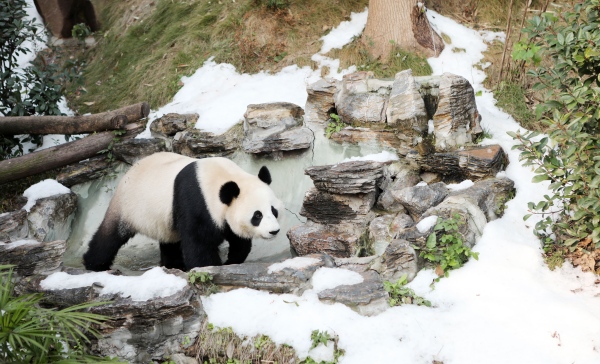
569 157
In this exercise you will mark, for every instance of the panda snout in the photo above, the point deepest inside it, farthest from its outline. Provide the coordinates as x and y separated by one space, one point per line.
274 232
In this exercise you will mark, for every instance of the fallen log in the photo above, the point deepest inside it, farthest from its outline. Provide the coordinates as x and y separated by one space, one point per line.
61 155
42 124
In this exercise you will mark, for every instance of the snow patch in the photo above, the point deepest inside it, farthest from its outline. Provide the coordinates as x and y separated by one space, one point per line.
294 263
460 186
43 189
383 157
427 223
327 278
17 243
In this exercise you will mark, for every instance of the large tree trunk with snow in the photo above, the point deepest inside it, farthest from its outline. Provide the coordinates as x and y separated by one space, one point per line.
400 22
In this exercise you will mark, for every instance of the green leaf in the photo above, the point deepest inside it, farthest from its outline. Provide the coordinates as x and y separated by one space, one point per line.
539 178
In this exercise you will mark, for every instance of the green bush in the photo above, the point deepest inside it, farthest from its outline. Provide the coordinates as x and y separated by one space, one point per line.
569 157
33 334
33 90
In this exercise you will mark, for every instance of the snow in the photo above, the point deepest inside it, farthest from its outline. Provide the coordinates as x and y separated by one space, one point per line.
383 157
154 283
294 263
345 32
327 278
507 307
427 223
460 186
43 189
17 243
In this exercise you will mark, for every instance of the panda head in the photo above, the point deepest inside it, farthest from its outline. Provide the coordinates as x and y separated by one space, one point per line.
253 208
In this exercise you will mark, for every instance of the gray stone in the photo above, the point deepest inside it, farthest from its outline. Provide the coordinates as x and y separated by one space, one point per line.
170 124
418 199
456 120
347 178
471 163
399 259
406 108
13 226
359 102
84 171
182 359
320 102
396 176
340 241
275 127
367 298
490 195
258 276
380 139
132 150
470 217
327 208
400 223
51 217
430 178
201 144
379 233
355 264
33 257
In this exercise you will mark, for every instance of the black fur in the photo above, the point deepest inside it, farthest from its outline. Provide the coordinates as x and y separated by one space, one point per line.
105 244
264 175
228 192
239 248
170 256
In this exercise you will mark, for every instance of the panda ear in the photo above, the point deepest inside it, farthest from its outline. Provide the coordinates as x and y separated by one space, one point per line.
228 192
264 175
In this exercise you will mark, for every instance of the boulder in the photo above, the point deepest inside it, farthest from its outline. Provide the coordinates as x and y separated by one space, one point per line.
200 144
471 163
406 108
382 139
327 208
347 177
33 257
490 195
320 102
170 124
340 241
418 199
396 176
368 298
51 217
275 127
13 226
399 259
456 120
132 150
362 99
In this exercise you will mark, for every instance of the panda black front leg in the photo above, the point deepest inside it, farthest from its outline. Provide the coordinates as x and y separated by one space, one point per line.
239 248
171 256
106 242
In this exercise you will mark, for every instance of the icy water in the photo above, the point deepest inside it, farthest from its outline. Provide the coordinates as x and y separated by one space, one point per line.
289 183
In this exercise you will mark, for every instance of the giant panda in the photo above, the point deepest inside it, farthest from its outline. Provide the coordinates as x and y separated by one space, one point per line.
190 206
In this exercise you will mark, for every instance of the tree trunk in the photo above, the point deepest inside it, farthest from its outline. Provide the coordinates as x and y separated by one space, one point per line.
402 23
39 124
61 155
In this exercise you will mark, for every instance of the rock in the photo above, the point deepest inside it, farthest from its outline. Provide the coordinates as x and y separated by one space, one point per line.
84 171
326 208
470 218
340 241
399 259
182 359
362 99
381 139
379 233
51 217
396 176
320 102
367 298
258 276
13 226
355 264
406 108
33 257
430 178
200 144
170 124
347 177
61 15
275 127
472 163
456 120
132 150
400 223
490 195
418 199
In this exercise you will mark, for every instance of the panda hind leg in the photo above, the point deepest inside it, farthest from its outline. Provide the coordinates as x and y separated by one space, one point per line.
171 256
105 244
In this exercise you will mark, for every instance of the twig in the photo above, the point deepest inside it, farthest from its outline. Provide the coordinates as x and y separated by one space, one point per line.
506 40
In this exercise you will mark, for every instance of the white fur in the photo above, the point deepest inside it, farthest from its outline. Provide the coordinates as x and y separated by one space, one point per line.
144 198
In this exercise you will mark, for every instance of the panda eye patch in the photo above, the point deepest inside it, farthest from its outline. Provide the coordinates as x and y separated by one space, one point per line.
256 218
274 211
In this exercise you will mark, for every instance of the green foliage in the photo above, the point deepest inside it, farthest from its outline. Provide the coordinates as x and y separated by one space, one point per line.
203 281
399 294
445 247
273 4
32 334
334 125
569 158
36 89
317 338
511 98
81 31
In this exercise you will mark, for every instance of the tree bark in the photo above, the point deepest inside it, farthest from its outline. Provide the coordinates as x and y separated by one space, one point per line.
402 23
39 124
61 155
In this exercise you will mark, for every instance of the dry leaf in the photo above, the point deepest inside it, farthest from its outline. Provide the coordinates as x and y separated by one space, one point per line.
90 103
230 350
439 271
585 242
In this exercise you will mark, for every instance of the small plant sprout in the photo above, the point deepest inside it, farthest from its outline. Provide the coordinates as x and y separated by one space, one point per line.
399 294
335 124
203 281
